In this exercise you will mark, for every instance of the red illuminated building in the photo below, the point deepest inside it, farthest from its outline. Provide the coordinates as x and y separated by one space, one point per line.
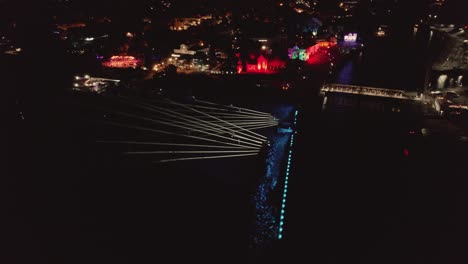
261 65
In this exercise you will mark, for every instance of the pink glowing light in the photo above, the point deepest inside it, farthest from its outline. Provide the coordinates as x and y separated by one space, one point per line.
406 152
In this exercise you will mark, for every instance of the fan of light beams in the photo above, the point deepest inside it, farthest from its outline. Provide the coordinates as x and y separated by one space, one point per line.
164 130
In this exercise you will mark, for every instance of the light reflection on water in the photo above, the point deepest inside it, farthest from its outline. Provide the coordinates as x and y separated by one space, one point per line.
346 74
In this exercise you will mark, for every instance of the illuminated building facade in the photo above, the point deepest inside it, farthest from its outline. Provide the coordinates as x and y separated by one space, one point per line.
122 62
190 58
351 37
260 65
296 53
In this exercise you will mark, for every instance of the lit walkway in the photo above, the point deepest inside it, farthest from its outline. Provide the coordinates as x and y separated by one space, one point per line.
285 190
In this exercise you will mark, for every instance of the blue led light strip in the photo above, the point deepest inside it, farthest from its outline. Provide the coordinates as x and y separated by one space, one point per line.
286 180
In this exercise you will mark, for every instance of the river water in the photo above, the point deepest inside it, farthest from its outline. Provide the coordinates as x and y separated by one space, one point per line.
394 62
